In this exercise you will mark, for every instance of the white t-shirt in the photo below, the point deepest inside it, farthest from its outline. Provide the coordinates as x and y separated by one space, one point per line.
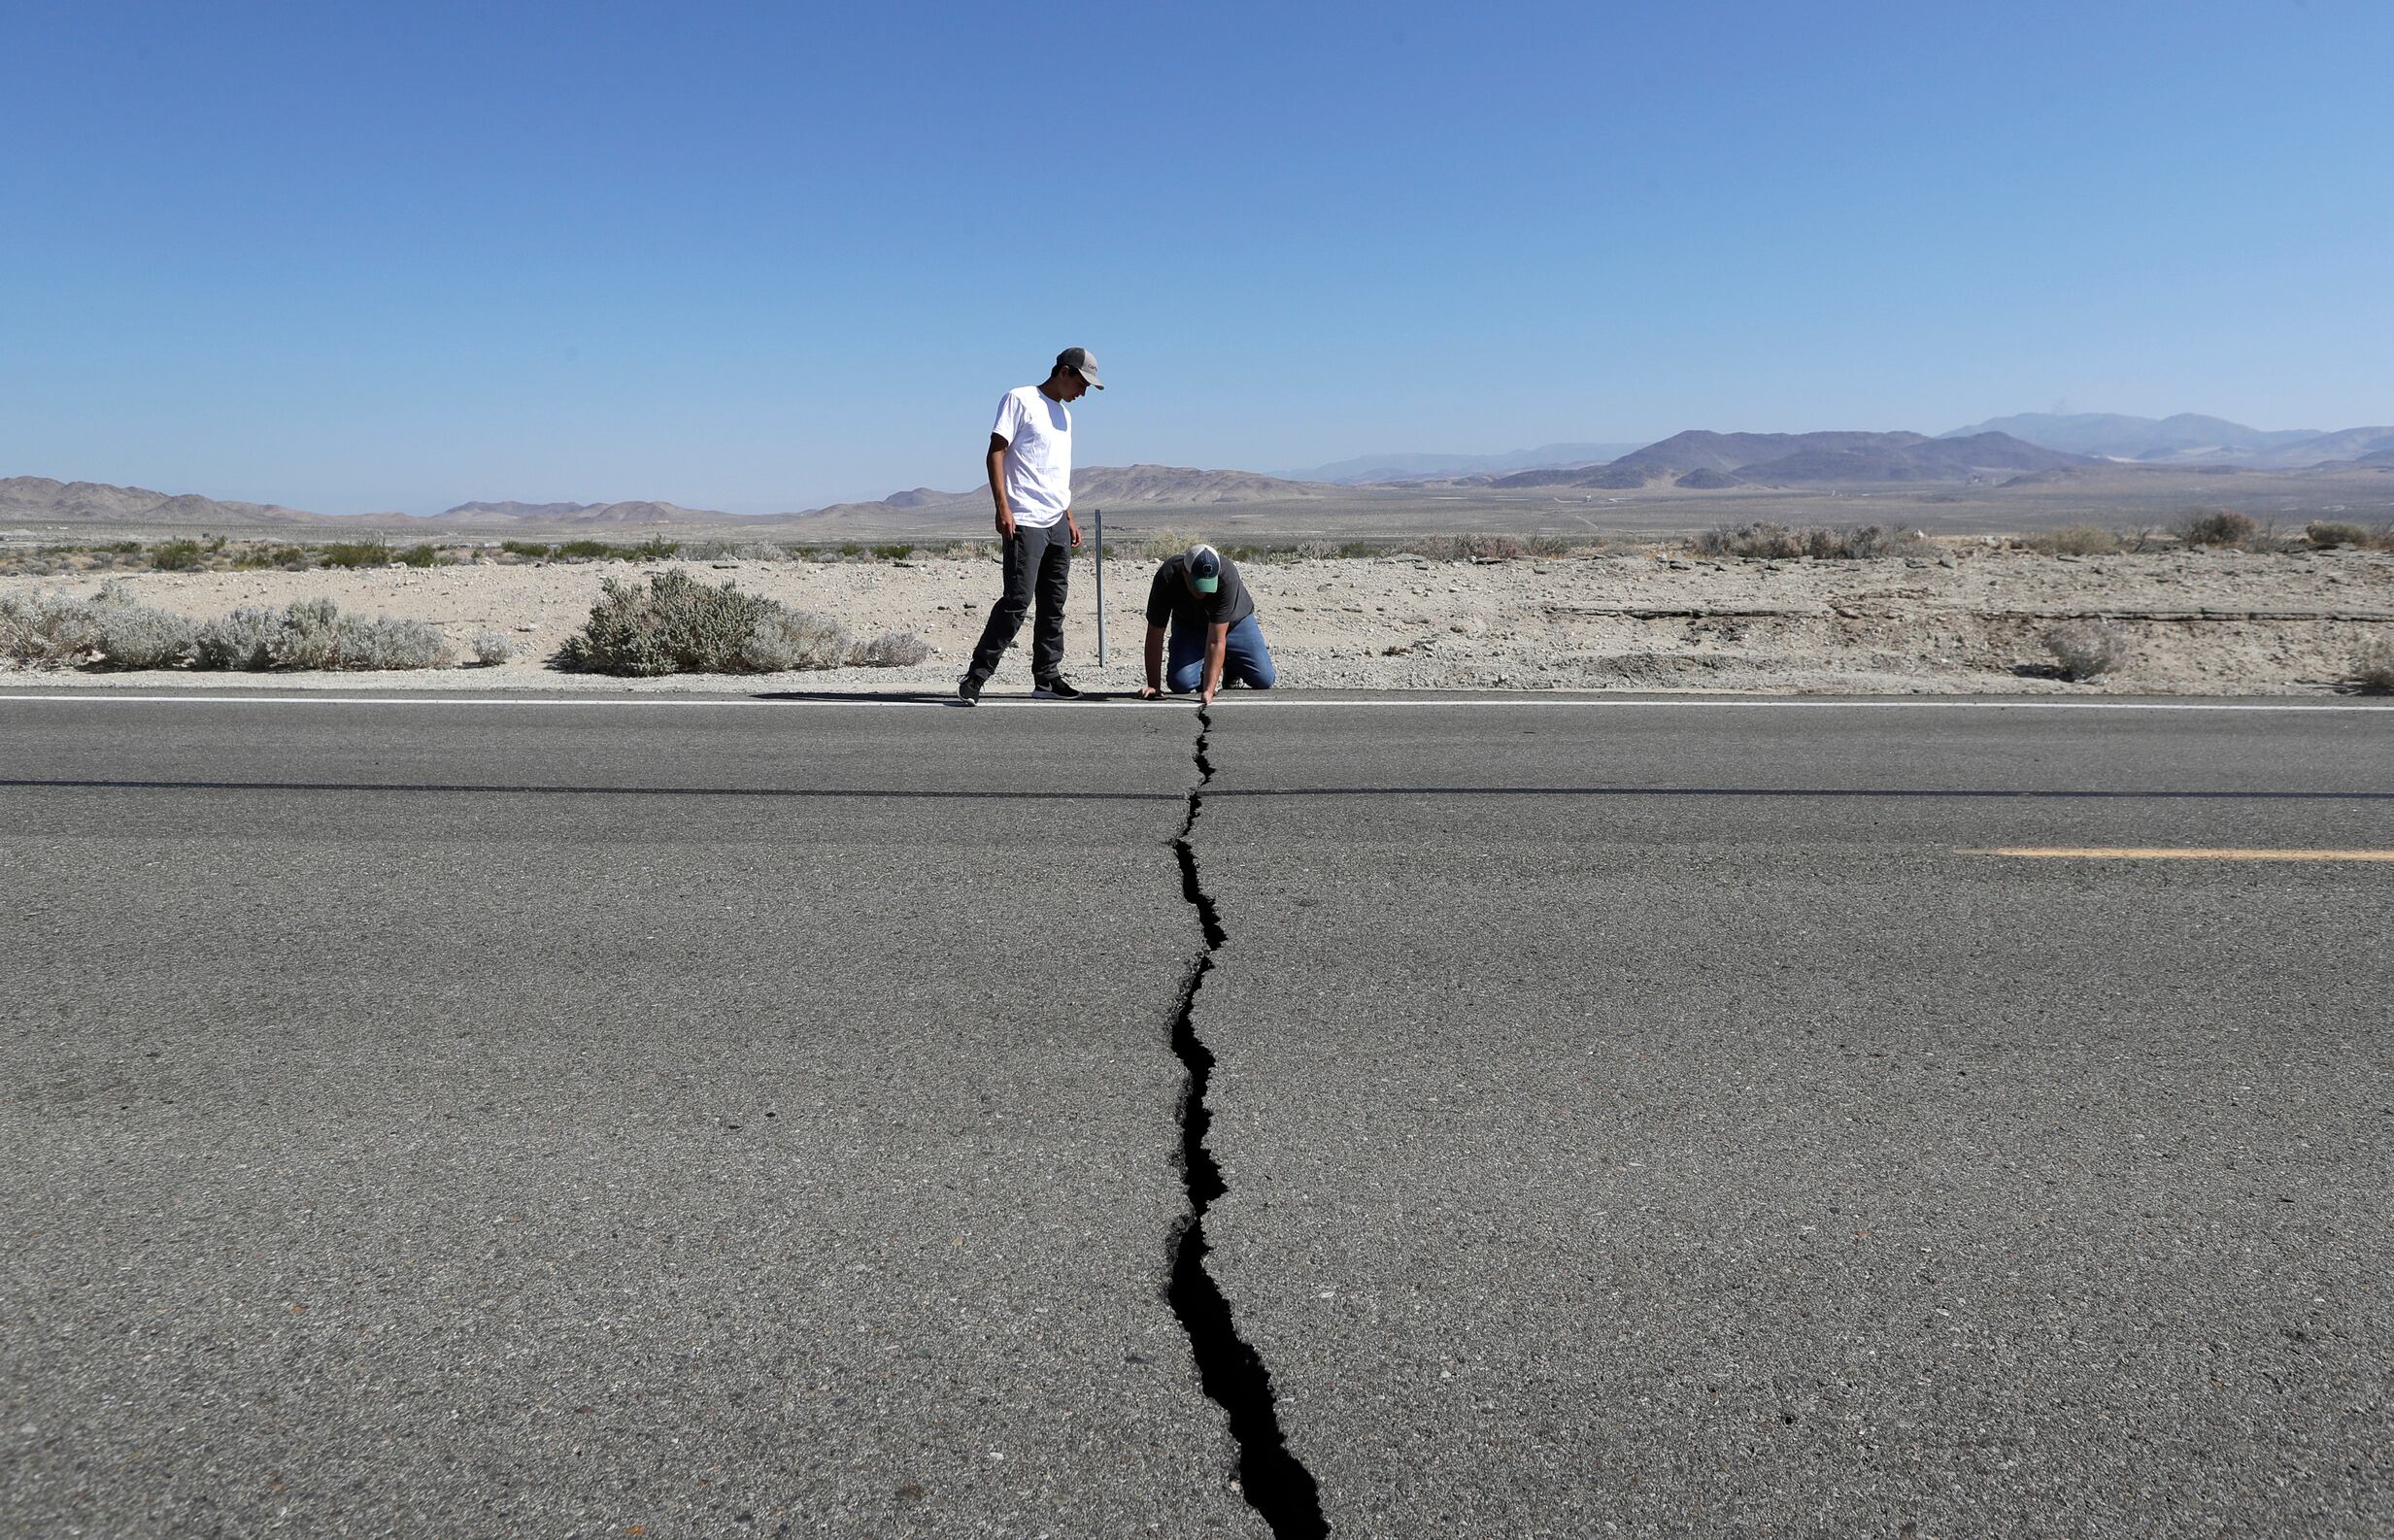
1038 433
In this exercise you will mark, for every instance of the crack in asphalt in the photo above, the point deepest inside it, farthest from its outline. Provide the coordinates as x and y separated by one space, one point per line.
1276 1483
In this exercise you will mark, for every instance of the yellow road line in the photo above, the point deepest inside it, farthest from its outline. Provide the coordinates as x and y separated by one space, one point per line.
2099 853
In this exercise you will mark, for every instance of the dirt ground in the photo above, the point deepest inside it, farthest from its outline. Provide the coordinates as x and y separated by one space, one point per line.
1968 621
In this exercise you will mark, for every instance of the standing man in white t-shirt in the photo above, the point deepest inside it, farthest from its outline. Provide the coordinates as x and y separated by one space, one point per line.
1030 478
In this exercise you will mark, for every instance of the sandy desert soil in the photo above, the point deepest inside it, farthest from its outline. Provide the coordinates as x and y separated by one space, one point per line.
1968 621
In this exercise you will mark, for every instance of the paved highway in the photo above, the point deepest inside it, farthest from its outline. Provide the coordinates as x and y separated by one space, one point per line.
767 1117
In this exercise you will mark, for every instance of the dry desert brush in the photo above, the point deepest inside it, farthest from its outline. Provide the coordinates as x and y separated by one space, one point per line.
1777 542
316 634
2086 650
2372 667
676 624
46 627
137 636
2217 526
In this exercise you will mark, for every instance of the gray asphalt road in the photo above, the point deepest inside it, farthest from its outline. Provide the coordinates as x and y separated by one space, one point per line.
498 1119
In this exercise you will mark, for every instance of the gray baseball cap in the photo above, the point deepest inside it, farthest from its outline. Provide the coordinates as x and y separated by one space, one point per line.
1078 360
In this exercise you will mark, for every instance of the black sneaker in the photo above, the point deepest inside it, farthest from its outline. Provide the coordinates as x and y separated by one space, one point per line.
1056 688
969 690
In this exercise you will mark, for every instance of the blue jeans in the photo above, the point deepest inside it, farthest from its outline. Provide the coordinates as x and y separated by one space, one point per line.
1245 659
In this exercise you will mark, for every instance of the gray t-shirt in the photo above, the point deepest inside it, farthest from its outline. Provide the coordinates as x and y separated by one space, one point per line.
1170 598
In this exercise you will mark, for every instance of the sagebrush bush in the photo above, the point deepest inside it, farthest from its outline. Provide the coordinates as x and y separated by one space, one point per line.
492 647
2372 667
356 554
179 556
1157 544
1769 542
137 636
890 649
316 635
2217 526
783 638
243 640
2325 532
676 624
2086 650
2075 540
44 628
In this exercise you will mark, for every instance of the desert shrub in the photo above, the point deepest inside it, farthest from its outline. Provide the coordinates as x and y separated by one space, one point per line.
656 548
179 556
763 551
676 624
890 649
356 554
492 647
2217 526
2086 649
1491 548
316 635
2075 540
1437 548
585 550
138 636
784 638
1769 542
421 555
527 547
313 633
44 628
1549 545
1157 543
2373 666
2326 532
242 639
897 550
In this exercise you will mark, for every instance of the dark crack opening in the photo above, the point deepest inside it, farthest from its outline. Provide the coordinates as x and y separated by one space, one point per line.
1276 1483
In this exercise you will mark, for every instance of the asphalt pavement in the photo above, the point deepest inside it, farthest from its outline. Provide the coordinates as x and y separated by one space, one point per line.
702 1117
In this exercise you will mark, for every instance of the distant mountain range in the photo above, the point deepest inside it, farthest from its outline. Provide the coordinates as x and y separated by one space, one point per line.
40 498
1364 470
2186 439
2072 447
98 503
1710 461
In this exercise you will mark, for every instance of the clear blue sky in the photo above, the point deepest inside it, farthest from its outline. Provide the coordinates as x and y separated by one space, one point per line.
761 257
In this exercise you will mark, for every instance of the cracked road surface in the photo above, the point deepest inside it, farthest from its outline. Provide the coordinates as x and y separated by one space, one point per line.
1637 1122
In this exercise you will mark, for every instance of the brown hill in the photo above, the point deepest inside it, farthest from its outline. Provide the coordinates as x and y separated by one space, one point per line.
626 513
1810 458
39 498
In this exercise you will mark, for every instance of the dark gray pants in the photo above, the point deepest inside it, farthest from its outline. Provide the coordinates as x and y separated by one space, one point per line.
1037 562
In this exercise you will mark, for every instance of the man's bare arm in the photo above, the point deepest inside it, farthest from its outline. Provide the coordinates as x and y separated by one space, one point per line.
997 486
1217 652
1155 660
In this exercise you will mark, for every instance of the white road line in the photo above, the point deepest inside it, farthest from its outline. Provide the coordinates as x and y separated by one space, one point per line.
1241 704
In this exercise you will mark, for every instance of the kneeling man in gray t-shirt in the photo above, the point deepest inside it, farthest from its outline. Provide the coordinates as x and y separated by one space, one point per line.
1214 636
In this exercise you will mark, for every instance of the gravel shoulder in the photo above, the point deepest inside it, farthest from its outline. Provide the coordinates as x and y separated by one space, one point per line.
1970 620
